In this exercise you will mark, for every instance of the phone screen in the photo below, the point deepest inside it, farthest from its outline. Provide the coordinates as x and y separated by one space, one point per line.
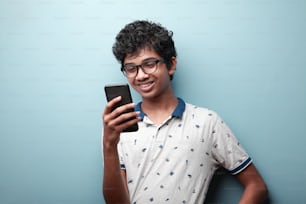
123 90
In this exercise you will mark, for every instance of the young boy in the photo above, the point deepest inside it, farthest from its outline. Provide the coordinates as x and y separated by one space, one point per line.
178 147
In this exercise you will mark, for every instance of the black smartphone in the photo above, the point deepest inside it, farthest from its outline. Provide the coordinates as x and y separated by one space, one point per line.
123 90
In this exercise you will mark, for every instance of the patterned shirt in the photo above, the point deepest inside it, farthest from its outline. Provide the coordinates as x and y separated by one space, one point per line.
174 162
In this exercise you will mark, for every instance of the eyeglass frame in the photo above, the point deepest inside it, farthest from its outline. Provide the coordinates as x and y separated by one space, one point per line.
156 61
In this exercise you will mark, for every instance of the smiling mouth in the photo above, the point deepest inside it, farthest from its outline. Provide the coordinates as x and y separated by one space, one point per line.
146 87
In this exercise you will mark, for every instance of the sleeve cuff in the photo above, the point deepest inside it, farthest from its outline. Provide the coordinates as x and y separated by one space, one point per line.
122 166
242 166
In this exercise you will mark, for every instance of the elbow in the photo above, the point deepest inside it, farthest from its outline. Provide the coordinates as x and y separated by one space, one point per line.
263 188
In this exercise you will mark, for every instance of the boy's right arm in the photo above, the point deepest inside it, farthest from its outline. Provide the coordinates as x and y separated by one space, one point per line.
114 184
114 181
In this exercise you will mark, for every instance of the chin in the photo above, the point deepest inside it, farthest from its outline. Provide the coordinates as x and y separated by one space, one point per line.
147 95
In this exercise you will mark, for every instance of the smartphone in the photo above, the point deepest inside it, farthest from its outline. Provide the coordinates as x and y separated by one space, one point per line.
123 90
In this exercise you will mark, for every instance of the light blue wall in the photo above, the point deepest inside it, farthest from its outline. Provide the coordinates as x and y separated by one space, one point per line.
244 59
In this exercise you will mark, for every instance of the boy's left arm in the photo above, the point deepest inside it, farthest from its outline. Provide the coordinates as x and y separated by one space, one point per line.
255 189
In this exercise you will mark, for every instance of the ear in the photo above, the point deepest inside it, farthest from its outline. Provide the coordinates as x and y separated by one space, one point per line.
172 68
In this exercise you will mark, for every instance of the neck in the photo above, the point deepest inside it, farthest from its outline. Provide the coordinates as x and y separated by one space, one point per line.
158 109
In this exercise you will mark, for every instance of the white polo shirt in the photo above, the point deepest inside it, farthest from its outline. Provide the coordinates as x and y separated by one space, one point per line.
175 161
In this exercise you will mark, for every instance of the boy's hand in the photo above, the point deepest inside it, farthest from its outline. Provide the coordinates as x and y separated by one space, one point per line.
114 122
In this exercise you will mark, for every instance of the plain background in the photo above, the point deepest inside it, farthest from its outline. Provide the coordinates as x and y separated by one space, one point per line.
244 59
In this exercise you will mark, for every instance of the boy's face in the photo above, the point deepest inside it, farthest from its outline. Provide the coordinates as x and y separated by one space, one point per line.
154 84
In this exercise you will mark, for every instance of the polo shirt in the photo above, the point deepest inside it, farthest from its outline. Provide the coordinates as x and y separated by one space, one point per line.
174 162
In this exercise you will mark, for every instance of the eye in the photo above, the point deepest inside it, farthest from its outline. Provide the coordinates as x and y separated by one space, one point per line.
130 68
149 64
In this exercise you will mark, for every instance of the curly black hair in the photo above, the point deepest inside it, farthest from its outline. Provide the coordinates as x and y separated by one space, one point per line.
140 34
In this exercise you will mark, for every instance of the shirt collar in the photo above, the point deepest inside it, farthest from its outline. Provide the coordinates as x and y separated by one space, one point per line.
178 111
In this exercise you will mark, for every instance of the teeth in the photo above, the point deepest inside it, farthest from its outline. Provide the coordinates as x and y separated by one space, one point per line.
145 87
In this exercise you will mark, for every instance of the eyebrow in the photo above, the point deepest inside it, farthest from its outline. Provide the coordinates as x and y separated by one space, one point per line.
145 60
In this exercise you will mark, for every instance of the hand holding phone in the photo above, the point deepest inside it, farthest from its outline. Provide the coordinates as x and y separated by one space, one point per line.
123 90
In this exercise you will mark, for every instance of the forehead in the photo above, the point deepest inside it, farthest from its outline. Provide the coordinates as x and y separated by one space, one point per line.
140 55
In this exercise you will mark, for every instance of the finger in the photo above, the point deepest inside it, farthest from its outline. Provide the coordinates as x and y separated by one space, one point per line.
123 109
109 106
123 118
127 124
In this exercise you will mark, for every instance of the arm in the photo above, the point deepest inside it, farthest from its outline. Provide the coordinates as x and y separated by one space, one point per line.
114 182
255 190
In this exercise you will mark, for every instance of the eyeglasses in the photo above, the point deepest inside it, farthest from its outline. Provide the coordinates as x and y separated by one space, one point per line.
148 67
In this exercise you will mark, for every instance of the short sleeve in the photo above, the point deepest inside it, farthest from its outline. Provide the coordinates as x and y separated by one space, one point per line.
226 150
120 154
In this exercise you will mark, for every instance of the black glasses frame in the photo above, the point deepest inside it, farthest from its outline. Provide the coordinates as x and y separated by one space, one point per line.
156 61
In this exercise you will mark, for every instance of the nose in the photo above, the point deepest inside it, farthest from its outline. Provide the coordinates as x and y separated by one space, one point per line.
140 73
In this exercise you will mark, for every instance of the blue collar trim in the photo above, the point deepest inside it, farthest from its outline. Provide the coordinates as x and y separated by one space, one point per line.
178 111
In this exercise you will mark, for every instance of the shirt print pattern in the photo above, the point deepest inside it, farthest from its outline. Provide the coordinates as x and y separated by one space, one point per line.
174 162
